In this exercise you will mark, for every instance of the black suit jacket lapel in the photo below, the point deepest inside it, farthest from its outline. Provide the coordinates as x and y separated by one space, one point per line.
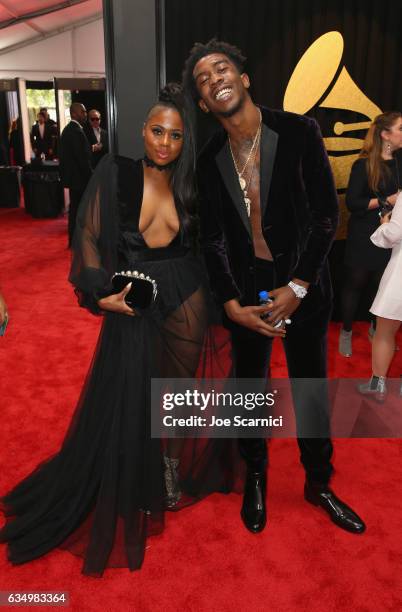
229 175
268 146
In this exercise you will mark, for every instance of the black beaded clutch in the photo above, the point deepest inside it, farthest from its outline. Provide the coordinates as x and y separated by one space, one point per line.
143 288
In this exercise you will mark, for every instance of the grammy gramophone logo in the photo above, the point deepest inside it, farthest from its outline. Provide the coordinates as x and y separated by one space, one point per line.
320 79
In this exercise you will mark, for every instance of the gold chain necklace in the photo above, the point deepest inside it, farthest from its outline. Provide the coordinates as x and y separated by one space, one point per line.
247 200
244 185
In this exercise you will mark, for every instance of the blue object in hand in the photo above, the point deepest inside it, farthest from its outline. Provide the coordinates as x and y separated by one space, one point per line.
264 298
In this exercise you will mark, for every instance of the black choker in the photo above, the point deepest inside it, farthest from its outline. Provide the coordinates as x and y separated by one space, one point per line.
151 164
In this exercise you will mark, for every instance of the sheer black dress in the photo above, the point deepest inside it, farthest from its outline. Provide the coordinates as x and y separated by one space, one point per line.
105 491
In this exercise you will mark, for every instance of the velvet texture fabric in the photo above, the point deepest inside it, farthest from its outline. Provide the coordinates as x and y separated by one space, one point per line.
299 215
299 212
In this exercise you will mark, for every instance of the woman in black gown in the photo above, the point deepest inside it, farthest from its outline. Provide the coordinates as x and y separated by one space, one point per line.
108 487
376 175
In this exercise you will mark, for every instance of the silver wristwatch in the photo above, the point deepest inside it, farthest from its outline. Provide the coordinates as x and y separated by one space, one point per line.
298 290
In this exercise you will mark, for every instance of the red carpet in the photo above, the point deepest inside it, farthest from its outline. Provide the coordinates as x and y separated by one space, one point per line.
205 560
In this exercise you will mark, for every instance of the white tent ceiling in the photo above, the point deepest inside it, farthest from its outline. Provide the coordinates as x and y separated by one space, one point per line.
42 39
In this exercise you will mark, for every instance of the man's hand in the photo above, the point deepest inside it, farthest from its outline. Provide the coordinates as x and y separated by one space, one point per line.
116 302
250 317
284 305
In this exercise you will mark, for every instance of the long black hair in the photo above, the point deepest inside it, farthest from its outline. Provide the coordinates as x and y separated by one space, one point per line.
182 178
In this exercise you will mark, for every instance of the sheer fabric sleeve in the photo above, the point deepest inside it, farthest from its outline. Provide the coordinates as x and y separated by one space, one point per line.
94 247
389 234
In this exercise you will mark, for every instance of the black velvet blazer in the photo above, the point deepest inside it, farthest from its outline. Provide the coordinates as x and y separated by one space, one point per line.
299 211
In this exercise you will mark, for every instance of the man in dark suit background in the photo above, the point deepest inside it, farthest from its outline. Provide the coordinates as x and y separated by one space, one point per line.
269 213
52 126
75 161
97 136
42 137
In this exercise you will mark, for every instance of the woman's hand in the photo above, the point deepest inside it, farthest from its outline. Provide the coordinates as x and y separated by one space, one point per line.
250 317
392 198
116 302
386 218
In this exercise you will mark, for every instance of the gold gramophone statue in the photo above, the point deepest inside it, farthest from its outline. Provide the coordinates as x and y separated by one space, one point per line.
317 80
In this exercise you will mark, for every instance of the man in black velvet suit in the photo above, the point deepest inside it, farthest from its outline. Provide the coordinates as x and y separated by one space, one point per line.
269 213
97 136
75 161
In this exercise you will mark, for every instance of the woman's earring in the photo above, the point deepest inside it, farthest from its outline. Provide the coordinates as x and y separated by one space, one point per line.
388 148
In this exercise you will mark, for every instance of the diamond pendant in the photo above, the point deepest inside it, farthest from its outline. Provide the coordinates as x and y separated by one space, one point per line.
242 183
247 202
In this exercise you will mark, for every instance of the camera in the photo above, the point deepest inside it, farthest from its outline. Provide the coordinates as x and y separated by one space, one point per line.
384 206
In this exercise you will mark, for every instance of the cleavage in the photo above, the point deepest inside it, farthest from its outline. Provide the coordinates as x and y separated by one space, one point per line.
158 223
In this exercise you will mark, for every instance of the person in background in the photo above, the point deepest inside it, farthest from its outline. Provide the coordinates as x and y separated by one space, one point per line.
16 148
75 161
42 137
48 119
387 306
52 125
97 136
376 176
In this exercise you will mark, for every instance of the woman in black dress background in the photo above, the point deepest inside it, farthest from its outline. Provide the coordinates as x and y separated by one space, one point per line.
108 487
376 174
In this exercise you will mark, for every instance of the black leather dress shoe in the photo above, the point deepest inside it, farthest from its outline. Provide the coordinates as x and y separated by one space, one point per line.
338 511
253 511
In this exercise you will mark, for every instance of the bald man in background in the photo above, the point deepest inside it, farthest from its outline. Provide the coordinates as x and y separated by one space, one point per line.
75 161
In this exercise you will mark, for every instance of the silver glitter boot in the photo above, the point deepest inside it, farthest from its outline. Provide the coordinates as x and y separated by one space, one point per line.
375 387
173 493
345 343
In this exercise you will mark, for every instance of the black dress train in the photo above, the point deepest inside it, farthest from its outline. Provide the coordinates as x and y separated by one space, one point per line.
106 490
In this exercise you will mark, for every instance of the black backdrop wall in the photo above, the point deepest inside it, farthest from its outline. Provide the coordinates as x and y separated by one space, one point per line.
274 34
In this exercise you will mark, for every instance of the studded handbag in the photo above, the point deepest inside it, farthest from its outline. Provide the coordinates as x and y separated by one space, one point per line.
143 288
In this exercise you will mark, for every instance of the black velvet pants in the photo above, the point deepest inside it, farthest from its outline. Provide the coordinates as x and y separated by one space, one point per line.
306 356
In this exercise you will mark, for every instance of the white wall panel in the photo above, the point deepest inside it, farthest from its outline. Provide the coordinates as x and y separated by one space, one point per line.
76 52
89 48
